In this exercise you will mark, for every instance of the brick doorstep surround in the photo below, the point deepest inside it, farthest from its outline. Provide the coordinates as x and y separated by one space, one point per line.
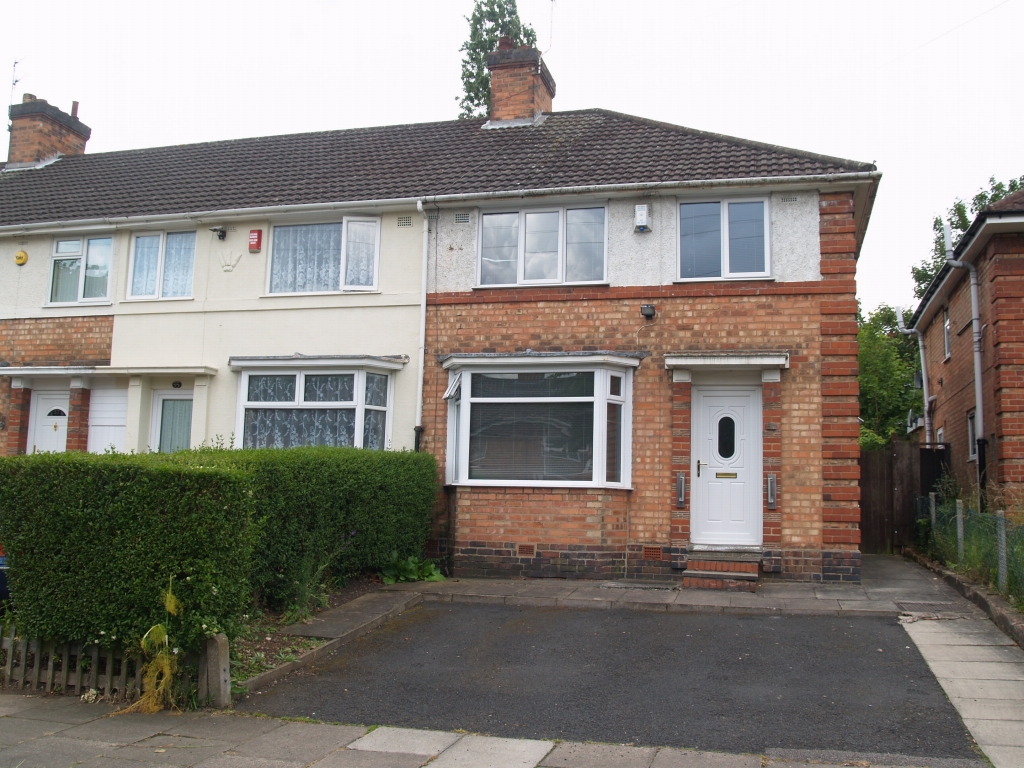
810 421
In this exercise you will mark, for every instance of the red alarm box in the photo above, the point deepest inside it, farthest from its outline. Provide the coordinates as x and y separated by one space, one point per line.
255 240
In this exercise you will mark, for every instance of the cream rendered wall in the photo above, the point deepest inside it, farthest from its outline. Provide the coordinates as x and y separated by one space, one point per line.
636 259
230 315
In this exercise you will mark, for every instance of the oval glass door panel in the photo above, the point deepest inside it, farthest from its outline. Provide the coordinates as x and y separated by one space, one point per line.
726 437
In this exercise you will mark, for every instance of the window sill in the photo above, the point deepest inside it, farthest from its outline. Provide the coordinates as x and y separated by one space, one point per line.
145 299
349 292
65 305
506 286
730 279
537 484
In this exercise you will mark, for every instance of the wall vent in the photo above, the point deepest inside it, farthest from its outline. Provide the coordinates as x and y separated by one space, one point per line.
462 218
651 553
788 199
433 216
527 550
405 221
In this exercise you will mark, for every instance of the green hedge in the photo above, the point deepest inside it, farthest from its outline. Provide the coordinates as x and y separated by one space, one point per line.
92 540
328 512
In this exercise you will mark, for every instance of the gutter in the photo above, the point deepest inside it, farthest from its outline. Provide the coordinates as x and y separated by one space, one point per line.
421 366
117 222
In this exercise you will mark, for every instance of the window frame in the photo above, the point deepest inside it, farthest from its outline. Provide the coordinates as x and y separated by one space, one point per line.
521 252
972 437
343 264
82 255
358 403
460 415
723 212
159 295
947 339
157 412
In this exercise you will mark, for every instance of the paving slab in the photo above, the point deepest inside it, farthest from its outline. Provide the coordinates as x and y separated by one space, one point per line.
171 750
990 709
114 762
576 755
12 703
226 728
118 729
52 752
977 670
777 758
301 742
979 689
492 752
998 733
701 597
66 709
680 758
233 761
350 758
1006 757
937 652
408 740
14 730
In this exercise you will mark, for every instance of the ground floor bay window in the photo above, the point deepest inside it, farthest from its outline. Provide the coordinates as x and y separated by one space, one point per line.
539 421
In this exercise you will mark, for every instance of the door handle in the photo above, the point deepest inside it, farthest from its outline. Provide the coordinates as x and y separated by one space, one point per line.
698 467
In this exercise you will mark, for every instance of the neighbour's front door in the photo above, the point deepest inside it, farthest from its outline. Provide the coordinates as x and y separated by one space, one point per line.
726 466
50 432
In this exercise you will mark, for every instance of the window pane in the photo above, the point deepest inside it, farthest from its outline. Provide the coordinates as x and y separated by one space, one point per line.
531 441
272 389
376 389
499 248
306 258
147 255
584 245
69 246
178 258
746 237
359 251
175 425
615 388
374 423
613 455
541 258
293 427
726 437
333 388
65 280
700 240
97 267
568 384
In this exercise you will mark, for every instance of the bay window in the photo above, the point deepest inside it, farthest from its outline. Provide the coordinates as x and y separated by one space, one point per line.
556 245
80 270
724 239
543 426
325 258
162 265
289 408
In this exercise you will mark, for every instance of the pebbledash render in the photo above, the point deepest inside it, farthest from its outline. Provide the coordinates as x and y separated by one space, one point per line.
630 345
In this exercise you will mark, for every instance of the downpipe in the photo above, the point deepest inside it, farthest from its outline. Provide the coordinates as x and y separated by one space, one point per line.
421 364
924 371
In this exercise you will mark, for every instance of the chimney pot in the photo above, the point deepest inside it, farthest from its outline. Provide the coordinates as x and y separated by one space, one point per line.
27 98
74 109
504 43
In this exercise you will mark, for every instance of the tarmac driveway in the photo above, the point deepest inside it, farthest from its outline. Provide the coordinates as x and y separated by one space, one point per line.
718 682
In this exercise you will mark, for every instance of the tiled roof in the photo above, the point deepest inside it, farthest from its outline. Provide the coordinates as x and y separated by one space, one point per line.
588 147
1014 202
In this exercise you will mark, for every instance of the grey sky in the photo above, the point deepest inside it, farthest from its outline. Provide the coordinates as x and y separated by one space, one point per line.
863 80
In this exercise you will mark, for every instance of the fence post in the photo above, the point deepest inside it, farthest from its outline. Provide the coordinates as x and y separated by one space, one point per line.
959 531
1001 550
931 506
218 669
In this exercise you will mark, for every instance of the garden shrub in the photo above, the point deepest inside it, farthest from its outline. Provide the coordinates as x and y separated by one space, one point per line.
92 541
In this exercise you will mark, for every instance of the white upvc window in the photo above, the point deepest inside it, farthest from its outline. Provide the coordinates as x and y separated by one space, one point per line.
80 270
972 438
946 332
286 408
541 246
940 435
161 265
540 426
724 239
325 258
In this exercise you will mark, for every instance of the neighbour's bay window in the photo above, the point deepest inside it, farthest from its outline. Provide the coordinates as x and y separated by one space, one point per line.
286 408
325 258
80 270
724 239
565 425
553 245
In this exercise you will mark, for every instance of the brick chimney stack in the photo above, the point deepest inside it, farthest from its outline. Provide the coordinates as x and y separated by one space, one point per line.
521 86
40 130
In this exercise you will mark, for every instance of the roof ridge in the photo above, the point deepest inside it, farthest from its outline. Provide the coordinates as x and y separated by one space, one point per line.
854 164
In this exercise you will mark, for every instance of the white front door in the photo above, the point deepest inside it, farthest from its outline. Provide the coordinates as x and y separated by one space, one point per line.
50 431
726 466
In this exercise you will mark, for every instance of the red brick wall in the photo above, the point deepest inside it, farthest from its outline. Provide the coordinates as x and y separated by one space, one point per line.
78 419
46 341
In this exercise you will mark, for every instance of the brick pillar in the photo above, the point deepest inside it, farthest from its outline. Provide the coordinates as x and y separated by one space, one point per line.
771 446
17 421
681 415
78 419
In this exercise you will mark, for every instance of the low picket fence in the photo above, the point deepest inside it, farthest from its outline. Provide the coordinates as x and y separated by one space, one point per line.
32 665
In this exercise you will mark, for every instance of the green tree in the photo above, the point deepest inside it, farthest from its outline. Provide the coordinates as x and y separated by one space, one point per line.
959 216
490 20
887 361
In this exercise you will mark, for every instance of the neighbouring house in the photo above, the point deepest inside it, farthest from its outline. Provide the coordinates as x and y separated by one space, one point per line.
992 444
635 342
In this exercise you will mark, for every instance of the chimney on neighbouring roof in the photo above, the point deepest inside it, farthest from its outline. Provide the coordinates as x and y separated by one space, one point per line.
521 86
40 130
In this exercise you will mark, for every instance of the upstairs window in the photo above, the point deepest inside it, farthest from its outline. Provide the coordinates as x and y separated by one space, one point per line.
945 332
972 438
162 265
723 239
558 245
325 258
70 283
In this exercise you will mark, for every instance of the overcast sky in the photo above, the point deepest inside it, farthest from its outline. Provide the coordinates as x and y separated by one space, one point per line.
926 89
